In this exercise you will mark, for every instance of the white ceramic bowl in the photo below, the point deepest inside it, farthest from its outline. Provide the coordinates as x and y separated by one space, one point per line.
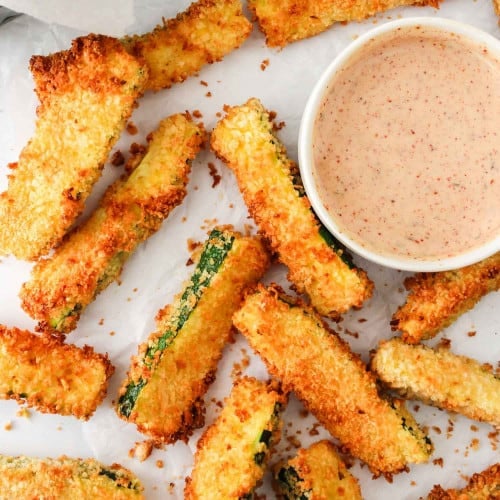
305 150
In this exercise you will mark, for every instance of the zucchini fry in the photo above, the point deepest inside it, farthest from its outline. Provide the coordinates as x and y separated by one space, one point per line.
286 21
496 6
232 453
174 367
435 300
440 378
316 473
206 32
483 485
333 383
86 95
51 376
66 479
132 209
271 188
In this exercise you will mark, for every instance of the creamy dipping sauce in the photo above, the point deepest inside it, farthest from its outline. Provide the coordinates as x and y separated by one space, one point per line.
407 145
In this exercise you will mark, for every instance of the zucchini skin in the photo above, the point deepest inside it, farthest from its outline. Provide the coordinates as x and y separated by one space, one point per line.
333 382
168 377
51 376
232 453
66 479
273 193
315 473
92 256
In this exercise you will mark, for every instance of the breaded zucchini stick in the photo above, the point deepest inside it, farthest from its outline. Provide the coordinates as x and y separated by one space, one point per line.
232 453
206 32
482 486
435 300
132 209
86 95
333 383
51 376
440 378
271 188
163 392
286 21
496 6
315 473
66 478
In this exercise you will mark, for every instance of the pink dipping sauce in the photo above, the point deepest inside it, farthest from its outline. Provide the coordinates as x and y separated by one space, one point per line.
406 145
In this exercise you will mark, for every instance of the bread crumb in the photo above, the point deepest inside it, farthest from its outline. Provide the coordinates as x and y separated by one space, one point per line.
197 114
472 333
438 461
159 464
264 64
214 174
208 94
444 343
142 450
204 83
112 333
8 426
101 322
117 159
131 128
24 413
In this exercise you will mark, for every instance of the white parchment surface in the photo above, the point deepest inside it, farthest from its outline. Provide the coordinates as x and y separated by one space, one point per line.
123 315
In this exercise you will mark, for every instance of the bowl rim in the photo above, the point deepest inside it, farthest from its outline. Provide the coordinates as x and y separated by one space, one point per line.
305 139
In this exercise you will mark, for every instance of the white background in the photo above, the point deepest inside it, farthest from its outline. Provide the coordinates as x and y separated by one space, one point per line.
157 270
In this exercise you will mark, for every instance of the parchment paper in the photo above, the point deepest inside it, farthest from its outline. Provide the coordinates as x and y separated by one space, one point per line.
123 315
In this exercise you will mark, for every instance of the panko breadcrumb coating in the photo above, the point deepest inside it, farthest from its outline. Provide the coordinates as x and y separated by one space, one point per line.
435 300
440 378
232 453
133 208
316 473
206 32
51 376
273 192
481 486
163 392
66 478
332 382
86 95
286 21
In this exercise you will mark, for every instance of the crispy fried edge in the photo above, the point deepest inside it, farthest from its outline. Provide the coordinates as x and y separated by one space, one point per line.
245 390
303 385
46 473
483 483
314 268
115 228
291 20
431 386
253 254
22 340
176 33
306 472
56 75
436 300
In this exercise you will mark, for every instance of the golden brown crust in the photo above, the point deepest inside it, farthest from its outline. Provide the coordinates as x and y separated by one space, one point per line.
435 300
436 376
226 463
496 5
206 32
66 478
86 95
132 209
170 406
51 376
286 21
301 351
244 140
483 485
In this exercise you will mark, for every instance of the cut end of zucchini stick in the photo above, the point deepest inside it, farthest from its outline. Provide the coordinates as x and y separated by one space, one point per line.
66 478
51 376
333 382
316 472
271 187
132 209
206 32
175 366
440 378
232 453
436 300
